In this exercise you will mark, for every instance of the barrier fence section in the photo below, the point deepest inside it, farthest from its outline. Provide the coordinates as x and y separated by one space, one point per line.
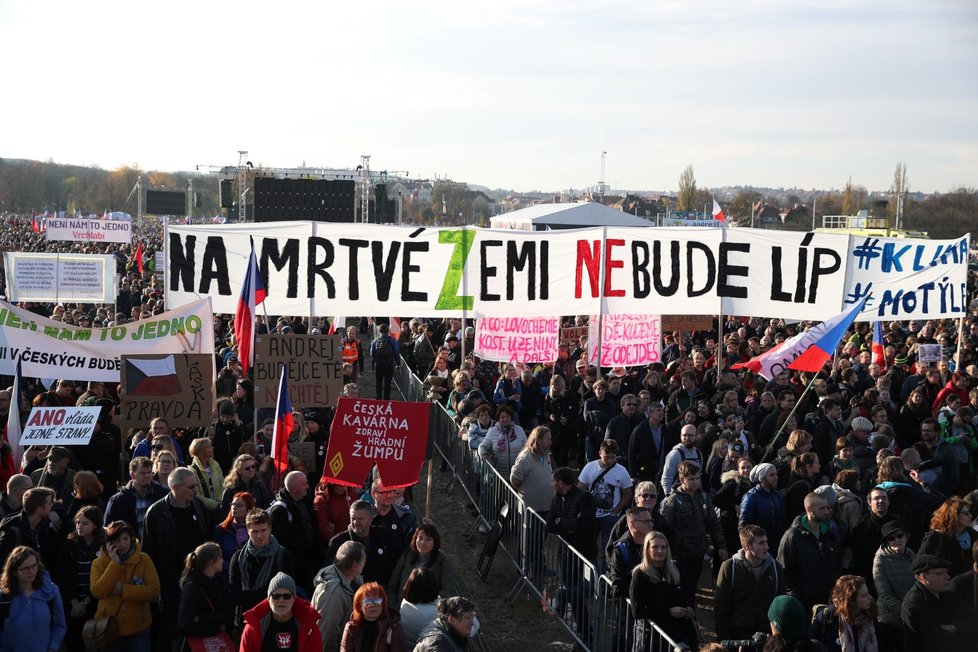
566 583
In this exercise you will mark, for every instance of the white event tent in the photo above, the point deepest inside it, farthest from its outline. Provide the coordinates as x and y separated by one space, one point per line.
565 216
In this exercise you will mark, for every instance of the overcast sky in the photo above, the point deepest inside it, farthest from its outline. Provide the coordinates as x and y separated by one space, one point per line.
523 95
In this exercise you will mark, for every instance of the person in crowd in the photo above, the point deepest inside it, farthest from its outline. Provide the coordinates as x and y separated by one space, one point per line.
449 632
530 475
12 500
649 444
86 490
811 553
253 566
893 577
206 611
646 496
789 624
424 552
132 500
561 414
965 585
353 352
763 505
227 433
419 606
685 450
35 619
284 618
293 527
32 526
504 441
656 593
158 427
746 585
621 425
598 411
626 550
571 516
690 514
950 473
849 623
931 616
125 582
75 570
734 485
399 519
951 535
373 625
336 585
804 477
383 551
386 355
56 474
164 462
478 428
210 478
173 528
331 505
609 485
243 476
231 534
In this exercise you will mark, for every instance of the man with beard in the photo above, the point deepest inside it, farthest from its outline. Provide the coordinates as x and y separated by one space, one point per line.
811 553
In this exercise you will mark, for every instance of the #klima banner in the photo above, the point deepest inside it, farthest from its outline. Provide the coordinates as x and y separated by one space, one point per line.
60 426
625 340
51 349
517 340
394 435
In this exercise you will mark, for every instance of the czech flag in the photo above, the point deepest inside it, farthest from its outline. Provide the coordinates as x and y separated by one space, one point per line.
827 335
35 227
718 212
338 324
806 351
252 293
878 356
284 423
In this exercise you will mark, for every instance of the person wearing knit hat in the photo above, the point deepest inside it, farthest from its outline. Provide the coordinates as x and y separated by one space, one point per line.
829 494
284 618
787 616
862 454
763 505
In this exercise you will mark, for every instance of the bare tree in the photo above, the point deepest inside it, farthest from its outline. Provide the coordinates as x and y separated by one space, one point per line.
898 194
686 197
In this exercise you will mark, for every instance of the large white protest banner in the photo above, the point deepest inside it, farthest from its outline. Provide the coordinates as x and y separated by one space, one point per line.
79 230
311 267
626 340
59 426
88 278
908 279
517 339
51 349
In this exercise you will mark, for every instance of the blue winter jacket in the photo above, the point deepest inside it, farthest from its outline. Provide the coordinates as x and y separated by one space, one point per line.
35 623
766 509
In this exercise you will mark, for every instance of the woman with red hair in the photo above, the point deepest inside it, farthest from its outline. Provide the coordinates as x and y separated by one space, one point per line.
951 536
849 624
373 625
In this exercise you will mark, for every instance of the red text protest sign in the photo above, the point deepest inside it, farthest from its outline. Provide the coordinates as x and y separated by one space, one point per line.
517 339
626 340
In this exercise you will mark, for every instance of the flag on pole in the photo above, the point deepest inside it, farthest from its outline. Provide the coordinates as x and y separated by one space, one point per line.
35 227
338 323
806 351
395 327
879 357
252 293
139 257
718 212
284 423
13 420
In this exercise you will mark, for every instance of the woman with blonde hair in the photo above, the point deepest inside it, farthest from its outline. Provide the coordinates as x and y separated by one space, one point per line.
163 464
210 478
243 476
655 594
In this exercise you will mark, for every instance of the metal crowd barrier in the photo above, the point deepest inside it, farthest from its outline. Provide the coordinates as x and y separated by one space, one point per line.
566 583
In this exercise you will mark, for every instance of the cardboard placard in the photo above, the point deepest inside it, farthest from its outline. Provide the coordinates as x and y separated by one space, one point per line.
177 387
672 323
315 369
60 426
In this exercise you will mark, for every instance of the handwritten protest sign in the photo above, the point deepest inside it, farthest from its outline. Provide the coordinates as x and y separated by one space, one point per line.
671 323
61 426
572 335
315 369
391 434
512 339
177 387
626 340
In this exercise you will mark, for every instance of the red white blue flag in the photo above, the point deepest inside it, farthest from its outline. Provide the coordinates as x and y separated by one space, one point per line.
14 430
879 358
252 293
284 423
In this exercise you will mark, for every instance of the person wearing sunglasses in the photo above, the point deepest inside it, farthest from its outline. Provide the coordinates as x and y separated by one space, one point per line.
893 576
373 625
285 620
243 476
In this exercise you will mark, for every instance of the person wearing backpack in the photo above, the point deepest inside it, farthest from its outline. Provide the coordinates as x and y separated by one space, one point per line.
386 355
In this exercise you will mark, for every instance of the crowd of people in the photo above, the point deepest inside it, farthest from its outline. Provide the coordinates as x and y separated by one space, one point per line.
836 509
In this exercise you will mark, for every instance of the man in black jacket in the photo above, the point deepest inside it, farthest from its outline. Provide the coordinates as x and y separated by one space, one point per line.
133 500
294 526
621 426
571 516
648 445
227 435
965 586
931 616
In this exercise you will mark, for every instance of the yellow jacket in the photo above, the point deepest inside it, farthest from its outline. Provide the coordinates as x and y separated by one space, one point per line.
140 587
211 488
